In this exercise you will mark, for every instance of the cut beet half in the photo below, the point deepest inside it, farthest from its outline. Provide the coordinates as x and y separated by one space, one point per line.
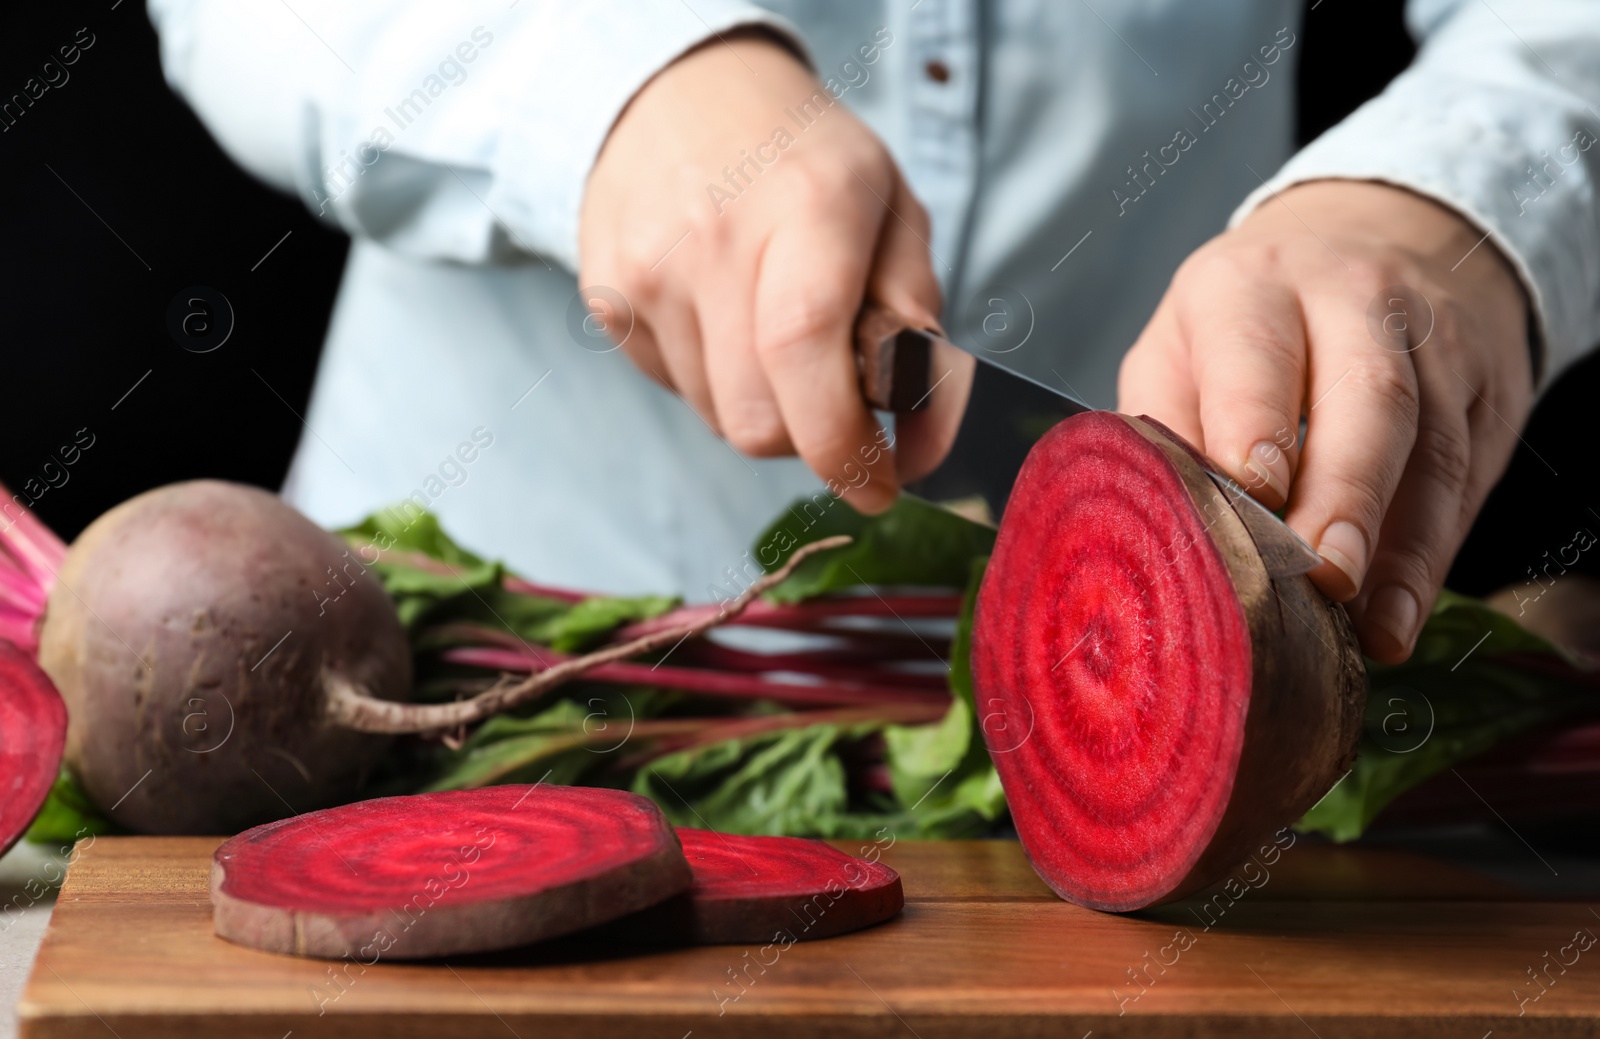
1155 704
33 731
768 889
444 873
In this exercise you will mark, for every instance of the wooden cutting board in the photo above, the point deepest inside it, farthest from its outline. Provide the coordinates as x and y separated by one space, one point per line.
1324 942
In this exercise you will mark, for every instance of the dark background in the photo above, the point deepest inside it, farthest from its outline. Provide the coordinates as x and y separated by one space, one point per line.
117 201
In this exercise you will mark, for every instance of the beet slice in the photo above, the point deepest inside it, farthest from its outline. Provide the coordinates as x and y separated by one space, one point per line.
765 889
444 873
33 732
1154 703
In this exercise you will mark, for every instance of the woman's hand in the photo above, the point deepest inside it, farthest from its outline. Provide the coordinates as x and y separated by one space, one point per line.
745 215
1399 332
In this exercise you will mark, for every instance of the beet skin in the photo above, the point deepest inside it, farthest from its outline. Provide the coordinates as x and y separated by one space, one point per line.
192 632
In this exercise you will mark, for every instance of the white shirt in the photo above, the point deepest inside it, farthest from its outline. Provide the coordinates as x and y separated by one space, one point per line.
1070 157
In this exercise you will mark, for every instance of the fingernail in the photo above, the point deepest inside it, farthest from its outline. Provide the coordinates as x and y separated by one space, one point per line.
1270 466
1394 609
1345 547
873 497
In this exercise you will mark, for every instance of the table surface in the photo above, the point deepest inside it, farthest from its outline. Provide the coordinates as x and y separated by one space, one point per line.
1332 942
28 873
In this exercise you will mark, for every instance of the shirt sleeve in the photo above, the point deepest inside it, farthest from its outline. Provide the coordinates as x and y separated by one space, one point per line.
460 131
1496 118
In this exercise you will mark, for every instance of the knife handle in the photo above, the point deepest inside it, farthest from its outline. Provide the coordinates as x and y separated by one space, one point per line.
894 359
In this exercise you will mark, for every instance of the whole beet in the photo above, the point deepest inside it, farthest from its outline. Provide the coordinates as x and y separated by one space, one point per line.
192 631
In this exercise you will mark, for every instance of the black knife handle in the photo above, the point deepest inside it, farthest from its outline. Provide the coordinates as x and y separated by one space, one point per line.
894 359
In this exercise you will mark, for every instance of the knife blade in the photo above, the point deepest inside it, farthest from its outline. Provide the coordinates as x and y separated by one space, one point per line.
1006 413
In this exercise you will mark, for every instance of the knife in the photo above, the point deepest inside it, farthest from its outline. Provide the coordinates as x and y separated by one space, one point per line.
1006 413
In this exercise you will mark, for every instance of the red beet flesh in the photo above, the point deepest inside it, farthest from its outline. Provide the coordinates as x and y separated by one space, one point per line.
444 873
33 730
769 889
1153 702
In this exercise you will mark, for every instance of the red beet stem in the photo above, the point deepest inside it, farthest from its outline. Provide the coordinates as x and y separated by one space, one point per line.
348 706
519 586
468 633
1550 666
720 730
416 560
832 662
428 564
799 616
705 682
19 624
825 663
811 615
30 556
870 649
872 646
1550 774
658 737
876 778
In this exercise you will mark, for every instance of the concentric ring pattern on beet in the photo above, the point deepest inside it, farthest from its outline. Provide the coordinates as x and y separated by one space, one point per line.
444 873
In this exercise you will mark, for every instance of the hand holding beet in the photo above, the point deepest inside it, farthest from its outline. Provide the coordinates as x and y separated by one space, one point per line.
1400 332
1154 701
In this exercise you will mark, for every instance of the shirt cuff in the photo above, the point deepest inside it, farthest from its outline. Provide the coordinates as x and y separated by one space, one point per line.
585 64
1466 146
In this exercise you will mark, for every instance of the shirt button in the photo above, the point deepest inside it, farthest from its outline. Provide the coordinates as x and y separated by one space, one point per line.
937 70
